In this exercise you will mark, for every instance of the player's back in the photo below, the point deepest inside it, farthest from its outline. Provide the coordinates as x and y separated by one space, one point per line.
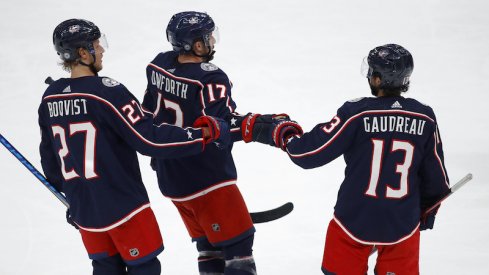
389 146
100 171
178 93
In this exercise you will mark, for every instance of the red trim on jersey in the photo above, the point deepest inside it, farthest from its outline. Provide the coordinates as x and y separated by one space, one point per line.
125 121
119 222
329 141
184 79
204 191
440 162
373 243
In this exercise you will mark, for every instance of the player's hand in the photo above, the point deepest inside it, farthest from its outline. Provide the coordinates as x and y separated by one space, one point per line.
70 220
428 221
283 131
251 122
214 130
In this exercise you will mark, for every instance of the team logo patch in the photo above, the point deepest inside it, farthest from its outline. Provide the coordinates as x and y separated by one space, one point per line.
208 67
216 227
356 99
109 82
74 28
134 252
193 20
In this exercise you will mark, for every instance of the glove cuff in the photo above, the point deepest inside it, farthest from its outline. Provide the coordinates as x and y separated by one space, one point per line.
247 127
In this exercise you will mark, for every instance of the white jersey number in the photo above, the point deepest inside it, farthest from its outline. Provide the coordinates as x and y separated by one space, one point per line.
89 159
403 169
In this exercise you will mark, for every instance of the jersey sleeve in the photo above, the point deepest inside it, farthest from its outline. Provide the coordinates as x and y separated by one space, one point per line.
49 161
324 143
434 179
136 127
148 106
218 102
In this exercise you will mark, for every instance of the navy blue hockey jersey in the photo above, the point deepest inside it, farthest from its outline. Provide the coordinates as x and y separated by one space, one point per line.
178 94
91 128
394 165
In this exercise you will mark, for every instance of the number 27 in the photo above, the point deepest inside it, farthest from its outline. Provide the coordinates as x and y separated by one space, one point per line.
89 159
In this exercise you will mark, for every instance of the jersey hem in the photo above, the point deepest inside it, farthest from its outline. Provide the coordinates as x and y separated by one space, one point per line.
116 224
369 242
203 192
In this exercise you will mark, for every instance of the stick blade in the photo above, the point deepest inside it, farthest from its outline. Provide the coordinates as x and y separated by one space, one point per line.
272 214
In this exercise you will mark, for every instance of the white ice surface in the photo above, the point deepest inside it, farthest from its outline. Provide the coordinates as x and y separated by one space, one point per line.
300 57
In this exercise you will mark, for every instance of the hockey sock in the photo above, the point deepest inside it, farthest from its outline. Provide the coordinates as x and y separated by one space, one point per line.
240 266
113 265
239 258
211 259
151 267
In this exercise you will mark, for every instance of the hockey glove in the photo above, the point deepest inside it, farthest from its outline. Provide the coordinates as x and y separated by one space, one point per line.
283 131
428 220
218 130
70 220
274 132
253 122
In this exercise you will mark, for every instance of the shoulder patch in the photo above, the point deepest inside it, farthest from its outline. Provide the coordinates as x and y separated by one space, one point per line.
109 82
356 99
208 67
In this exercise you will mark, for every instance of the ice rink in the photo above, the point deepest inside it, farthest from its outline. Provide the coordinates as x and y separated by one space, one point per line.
300 57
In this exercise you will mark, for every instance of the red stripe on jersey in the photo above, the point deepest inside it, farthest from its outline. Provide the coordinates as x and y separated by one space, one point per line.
439 161
371 112
181 143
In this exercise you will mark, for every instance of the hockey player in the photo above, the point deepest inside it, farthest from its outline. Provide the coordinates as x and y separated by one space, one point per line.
91 128
394 170
183 85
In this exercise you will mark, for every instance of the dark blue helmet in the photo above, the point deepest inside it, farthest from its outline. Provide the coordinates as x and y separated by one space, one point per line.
393 63
187 27
72 34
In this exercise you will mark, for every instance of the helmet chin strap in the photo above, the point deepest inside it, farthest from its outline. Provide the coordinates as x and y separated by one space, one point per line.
207 57
92 65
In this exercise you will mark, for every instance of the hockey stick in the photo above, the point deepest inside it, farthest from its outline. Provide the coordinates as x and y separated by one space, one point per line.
256 217
272 214
453 189
33 170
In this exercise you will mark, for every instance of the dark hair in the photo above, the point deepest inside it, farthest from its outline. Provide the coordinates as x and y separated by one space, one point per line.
390 90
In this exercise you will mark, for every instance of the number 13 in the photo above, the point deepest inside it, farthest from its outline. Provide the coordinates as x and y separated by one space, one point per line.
403 169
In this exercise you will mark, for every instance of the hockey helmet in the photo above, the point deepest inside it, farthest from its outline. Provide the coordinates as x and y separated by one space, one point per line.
187 27
392 63
72 34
